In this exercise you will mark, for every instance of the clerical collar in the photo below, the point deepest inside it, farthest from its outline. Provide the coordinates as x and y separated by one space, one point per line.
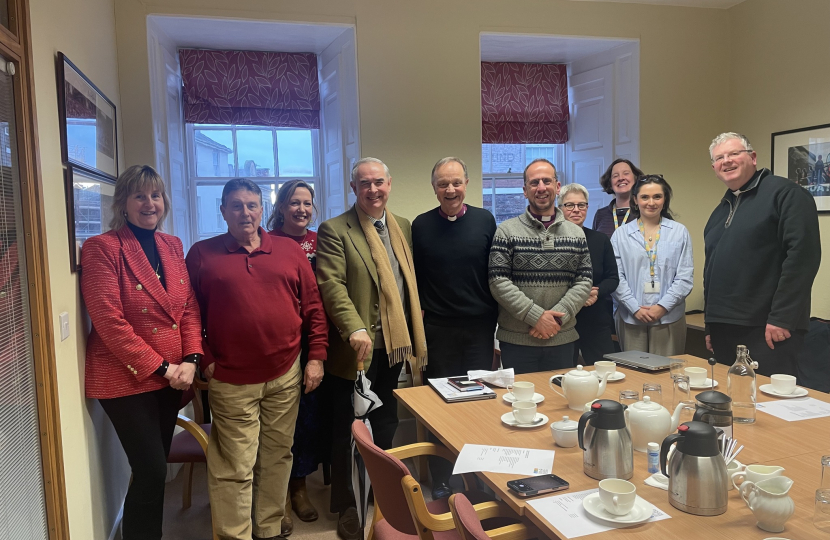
453 218
547 221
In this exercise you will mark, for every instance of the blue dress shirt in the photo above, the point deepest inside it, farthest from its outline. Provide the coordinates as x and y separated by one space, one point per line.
674 270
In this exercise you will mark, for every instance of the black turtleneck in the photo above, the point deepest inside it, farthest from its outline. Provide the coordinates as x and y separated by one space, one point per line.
147 239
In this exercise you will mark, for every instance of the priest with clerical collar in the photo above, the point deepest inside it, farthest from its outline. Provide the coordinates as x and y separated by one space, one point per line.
451 245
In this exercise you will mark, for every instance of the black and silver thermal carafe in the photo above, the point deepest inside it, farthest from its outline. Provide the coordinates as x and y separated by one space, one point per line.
698 481
606 441
714 408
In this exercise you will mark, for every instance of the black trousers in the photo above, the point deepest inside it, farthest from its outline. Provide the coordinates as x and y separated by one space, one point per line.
594 342
452 352
384 420
782 359
529 359
144 424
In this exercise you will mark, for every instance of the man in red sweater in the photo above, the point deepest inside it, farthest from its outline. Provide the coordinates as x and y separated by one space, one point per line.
257 295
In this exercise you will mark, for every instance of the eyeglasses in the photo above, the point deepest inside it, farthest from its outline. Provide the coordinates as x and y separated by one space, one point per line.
570 206
731 155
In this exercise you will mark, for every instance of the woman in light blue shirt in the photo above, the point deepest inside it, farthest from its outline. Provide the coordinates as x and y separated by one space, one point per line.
654 258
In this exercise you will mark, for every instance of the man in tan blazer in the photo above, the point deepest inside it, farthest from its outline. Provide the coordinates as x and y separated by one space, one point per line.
367 281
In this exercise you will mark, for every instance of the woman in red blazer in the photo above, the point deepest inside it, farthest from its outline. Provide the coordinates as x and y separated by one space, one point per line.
146 338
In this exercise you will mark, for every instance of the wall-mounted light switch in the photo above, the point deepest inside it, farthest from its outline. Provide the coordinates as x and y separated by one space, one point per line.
64 320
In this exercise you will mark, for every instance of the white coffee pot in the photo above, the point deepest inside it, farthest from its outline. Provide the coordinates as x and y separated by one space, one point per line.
579 386
650 422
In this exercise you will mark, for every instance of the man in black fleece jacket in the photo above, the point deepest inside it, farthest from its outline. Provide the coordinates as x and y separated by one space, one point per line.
762 254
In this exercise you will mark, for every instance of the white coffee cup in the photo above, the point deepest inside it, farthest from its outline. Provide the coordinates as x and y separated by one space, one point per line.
733 467
783 384
524 412
605 369
756 473
697 375
617 495
522 390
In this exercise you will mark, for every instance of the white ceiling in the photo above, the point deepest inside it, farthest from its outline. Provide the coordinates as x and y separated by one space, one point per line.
722 4
542 49
207 33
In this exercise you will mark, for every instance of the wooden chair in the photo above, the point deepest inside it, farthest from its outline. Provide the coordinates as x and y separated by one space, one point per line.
190 446
401 512
468 522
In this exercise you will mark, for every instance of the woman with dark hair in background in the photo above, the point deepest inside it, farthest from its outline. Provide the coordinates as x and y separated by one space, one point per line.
654 257
293 212
617 180
146 338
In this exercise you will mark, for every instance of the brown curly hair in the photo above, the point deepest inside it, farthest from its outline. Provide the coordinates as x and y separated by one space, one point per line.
605 179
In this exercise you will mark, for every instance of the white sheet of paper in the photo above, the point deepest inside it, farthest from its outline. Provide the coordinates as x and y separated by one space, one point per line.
503 459
793 410
565 512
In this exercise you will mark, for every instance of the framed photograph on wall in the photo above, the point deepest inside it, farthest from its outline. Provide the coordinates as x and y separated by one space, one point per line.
803 156
87 117
88 208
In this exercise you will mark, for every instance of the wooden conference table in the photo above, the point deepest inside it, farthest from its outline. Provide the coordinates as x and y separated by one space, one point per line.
796 446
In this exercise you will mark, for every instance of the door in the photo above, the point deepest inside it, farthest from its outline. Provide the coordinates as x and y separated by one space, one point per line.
591 144
21 476
334 173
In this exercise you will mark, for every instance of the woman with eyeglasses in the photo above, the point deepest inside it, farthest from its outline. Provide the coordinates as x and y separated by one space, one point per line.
617 180
654 257
594 322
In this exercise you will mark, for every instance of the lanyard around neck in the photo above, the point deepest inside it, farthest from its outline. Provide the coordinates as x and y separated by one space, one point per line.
650 253
625 217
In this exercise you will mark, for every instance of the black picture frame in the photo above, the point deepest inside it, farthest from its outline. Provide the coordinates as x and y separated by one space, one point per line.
803 156
88 208
88 122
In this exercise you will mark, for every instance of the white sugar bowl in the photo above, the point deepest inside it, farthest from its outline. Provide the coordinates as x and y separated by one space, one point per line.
565 432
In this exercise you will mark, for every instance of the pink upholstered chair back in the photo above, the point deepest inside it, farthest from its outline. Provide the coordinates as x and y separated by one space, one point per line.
467 519
385 473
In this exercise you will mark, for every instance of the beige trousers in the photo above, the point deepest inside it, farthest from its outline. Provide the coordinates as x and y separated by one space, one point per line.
663 339
249 454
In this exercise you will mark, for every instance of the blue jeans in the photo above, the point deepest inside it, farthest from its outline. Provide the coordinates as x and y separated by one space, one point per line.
527 359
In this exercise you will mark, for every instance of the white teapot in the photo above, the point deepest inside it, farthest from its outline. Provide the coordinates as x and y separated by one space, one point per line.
579 386
650 422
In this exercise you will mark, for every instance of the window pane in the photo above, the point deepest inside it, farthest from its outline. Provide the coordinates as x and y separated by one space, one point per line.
510 200
538 151
209 219
256 152
214 152
4 14
295 150
503 158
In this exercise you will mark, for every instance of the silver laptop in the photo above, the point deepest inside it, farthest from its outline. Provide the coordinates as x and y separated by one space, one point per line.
641 360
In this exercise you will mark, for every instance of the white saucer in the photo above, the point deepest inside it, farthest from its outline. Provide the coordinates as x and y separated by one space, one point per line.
706 384
537 398
768 389
617 376
508 419
641 512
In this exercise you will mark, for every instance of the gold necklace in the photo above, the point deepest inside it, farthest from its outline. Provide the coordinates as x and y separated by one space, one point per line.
158 275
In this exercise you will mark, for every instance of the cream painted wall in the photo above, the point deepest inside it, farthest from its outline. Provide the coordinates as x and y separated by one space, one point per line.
94 464
779 80
419 76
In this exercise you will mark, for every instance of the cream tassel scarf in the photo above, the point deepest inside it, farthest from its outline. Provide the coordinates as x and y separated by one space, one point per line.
393 320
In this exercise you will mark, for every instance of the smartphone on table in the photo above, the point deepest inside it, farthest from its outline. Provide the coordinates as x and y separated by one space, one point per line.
537 485
464 384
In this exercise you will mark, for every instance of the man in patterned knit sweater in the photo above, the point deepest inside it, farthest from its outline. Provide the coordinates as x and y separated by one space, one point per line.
540 274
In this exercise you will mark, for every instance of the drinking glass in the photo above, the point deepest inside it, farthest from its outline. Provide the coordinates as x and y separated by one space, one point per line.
821 515
629 397
653 391
681 394
676 367
825 472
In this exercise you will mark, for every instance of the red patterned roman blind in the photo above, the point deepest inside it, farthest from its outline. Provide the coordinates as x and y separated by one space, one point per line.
524 103
250 88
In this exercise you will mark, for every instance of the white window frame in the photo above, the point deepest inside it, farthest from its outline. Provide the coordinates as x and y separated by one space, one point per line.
194 181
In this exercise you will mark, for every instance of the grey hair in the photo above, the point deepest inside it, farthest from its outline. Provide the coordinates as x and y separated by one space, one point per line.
450 159
572 188
365 160
729 135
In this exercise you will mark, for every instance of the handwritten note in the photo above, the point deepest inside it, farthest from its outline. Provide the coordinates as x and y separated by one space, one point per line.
503 459
793 410
566 513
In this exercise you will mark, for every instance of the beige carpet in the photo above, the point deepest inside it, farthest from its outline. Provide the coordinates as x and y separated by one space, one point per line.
194 523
